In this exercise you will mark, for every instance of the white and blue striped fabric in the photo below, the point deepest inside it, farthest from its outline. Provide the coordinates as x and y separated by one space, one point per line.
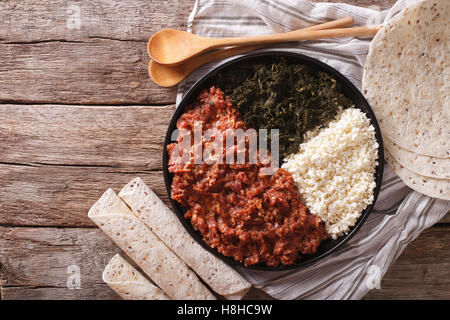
400 214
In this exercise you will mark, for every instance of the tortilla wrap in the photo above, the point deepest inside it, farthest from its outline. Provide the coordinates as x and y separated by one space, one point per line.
406 78
165 224
436 188
171 274
129 283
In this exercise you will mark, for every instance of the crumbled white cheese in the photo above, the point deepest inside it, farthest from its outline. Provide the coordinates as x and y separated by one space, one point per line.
335 170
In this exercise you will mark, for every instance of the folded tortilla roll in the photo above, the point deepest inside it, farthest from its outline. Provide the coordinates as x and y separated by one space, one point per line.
129 283
164 223
168 271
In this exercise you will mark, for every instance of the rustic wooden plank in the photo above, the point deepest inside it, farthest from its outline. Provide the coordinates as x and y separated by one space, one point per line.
84 135
422 271
46 60
34 265
30 21
91 292
34 262
93 72
61 196
445 219
67 156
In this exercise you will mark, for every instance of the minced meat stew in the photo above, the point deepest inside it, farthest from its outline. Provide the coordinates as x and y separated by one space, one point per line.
252 217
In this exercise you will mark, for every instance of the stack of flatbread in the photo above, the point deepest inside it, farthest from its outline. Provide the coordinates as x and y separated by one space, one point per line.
153 237
407 83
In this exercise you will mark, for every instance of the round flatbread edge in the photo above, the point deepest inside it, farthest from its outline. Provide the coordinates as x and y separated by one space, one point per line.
436 188
406 78
433 167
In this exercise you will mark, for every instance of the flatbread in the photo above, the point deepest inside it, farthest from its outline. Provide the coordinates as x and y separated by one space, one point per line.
406 78
171 274
436 188
129 283
164 223
433 167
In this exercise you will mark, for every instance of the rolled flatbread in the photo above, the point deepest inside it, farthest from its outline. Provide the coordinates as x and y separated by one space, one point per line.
168 271
164 223
129 283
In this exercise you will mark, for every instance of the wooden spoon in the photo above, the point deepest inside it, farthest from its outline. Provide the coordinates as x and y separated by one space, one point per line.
168 76
173 47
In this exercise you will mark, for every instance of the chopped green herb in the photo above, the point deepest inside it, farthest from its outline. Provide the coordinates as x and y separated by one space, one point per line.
291 97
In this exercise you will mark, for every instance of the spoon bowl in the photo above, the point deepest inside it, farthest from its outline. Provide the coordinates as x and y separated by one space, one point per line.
163 45
167 76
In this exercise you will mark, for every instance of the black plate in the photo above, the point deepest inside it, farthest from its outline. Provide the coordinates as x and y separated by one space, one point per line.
349 90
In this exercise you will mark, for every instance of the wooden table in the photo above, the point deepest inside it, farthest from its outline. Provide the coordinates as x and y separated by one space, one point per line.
79 114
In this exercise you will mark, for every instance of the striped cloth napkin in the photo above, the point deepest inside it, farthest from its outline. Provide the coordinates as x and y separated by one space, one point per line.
400 214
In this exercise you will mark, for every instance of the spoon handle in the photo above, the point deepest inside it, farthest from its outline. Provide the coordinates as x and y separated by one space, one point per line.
229 52
296 36
339 23
167 76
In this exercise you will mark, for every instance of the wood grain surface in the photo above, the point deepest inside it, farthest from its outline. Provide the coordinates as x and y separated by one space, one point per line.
78 114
